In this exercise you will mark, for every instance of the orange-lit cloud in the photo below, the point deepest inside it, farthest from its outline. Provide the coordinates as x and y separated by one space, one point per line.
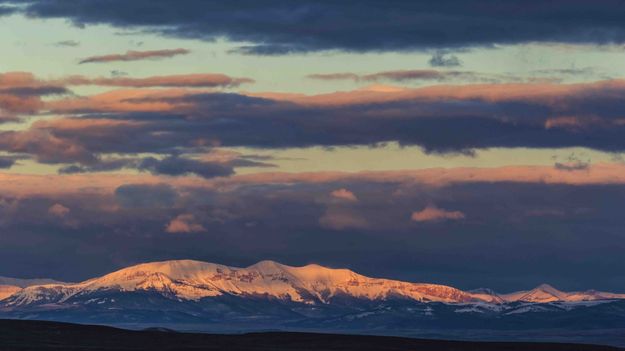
548 93
434 214
344 194
184 223
135 56
599 173
58 210
124 100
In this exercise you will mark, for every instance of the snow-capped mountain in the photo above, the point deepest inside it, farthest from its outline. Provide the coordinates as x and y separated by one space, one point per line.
10 286
311 284
547 293
22 283
194 280
272 295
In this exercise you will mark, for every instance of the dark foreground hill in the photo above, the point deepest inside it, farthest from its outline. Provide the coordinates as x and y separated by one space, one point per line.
40 335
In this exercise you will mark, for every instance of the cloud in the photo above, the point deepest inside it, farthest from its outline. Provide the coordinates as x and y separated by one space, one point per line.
247 219
184 223
572 166
45 147
135 56
278 27
24 185
34 91
207 166
203 80
21 94
123 100
335 76
441 59
441 119
171 166
420 75
432 213
344 194
177 166
58 210
573 163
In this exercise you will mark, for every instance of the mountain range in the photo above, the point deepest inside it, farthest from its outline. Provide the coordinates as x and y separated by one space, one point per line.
270 295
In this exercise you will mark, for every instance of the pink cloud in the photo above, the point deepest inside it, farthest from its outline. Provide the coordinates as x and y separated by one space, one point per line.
344 194
58 210
123 100
135 55
543 92
434 214
184 223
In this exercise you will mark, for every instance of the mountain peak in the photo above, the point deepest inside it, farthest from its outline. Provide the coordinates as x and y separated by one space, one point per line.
541 294
267 266
546 287
549 289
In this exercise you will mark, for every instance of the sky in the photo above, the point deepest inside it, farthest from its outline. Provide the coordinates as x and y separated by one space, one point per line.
474 144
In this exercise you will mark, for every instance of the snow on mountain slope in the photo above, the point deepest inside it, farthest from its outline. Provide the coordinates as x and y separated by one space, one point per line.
10 286
311 284
487 295
8 290
22 283
545 293
541 294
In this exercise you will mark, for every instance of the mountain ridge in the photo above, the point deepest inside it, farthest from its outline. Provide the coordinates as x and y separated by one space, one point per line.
310 284
183 294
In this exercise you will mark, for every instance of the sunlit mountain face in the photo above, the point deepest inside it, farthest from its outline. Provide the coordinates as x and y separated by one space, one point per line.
186 294
455 154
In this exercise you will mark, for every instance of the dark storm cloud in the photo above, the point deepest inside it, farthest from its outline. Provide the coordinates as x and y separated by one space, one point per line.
283 27
566 228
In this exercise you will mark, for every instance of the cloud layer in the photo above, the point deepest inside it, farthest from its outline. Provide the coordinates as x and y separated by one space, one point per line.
441 119
278 27
99 223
